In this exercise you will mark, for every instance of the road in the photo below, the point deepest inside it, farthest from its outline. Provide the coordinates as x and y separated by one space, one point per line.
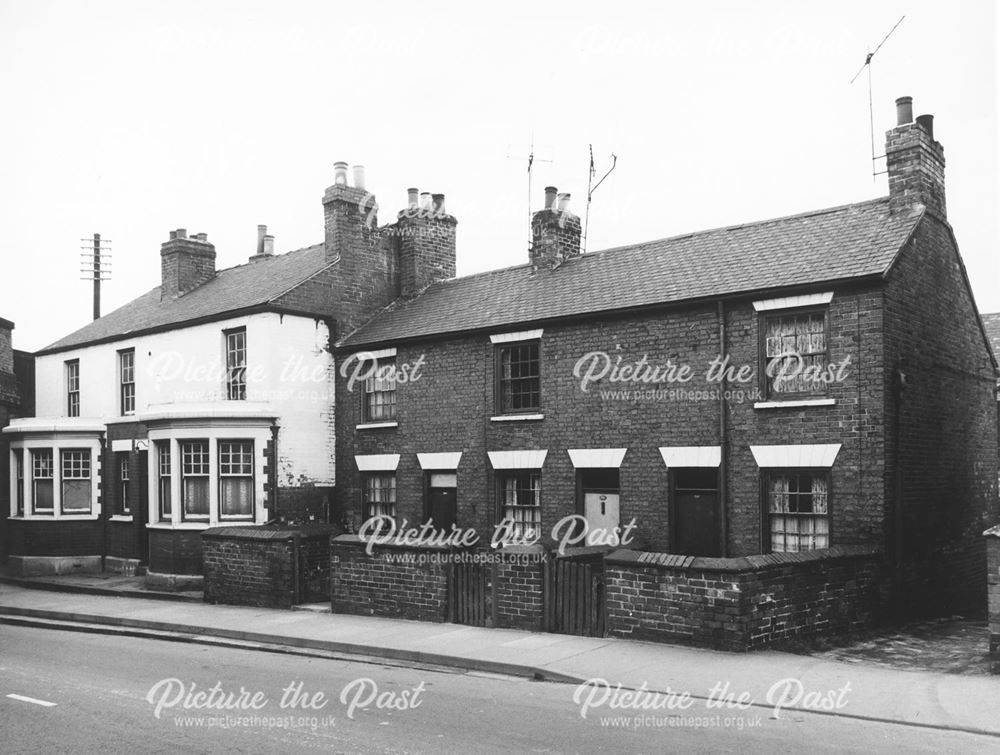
132 695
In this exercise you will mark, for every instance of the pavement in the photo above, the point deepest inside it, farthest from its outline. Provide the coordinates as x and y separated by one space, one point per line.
781 684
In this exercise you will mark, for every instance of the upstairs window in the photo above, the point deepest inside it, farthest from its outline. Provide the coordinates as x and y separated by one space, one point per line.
798 509
236 364
42 481
521 501
236 494
795 348
73 388
380 392
195 477
76 488
518 378
126 381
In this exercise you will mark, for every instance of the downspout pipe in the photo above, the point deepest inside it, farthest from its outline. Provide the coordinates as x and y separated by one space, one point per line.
723 441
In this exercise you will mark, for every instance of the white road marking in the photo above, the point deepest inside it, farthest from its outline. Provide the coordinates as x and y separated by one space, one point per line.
35 700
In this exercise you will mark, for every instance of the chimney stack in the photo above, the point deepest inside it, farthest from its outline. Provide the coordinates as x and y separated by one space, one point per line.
425 235
914 162
185 263
350 213
555 232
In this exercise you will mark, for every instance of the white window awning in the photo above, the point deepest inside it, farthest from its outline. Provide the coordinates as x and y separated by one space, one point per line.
444 460
790 302
691 456
521 335
377 462
526 459
597 457
804 455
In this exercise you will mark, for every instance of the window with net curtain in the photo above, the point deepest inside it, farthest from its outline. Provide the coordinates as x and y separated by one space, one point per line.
42 481
76 481
798 511
163 479
520 500
794 342
194 479
380 495
236 488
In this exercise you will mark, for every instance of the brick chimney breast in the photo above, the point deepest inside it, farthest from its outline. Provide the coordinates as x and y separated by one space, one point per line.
425 234
914 162
185 263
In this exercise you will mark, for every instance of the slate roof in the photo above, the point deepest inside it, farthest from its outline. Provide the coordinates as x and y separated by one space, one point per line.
836 244
992 324
235 288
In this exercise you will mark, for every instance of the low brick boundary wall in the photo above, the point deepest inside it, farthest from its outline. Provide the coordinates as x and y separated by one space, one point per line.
992 536
412 583
744 603
275 567
395 581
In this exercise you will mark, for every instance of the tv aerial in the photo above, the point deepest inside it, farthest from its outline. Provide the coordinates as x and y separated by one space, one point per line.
871 110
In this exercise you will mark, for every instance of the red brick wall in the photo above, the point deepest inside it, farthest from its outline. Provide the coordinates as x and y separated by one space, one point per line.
744 603
947 425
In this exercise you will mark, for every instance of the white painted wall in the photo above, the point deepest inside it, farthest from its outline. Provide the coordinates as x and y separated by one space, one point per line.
288 367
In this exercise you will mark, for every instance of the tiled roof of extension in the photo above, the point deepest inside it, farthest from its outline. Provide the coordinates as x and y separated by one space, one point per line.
837 244
256 283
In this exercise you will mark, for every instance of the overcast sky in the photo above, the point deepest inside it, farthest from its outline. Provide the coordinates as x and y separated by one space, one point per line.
130 119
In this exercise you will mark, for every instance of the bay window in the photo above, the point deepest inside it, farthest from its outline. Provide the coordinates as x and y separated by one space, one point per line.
76 484
236 486
195 479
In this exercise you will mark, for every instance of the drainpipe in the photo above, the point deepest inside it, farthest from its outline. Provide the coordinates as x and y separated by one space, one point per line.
899 385
104 501
296 587
274 472
723 441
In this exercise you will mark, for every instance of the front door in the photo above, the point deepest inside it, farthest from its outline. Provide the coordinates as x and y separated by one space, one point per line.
442 506
696 512
601 499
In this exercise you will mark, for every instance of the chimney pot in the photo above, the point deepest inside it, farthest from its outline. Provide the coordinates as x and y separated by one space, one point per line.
201 237
267 245
340 174
181 233
438 203
359 177
550 197
926 122
564 202
904 111
413 197
425 200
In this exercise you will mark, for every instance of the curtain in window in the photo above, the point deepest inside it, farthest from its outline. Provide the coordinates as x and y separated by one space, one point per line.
236 496
76 496
196 496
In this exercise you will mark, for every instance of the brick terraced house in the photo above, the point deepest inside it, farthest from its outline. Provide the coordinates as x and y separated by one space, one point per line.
792 420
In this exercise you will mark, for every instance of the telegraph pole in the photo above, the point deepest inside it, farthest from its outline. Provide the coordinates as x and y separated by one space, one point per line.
95 264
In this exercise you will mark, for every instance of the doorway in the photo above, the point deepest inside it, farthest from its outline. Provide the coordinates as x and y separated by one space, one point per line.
695 512
442 504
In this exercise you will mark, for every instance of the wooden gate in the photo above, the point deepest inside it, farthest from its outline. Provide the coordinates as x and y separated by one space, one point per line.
574 596
470 594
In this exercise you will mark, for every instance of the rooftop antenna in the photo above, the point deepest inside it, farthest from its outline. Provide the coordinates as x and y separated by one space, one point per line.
531 162
592 187
871 111
95 265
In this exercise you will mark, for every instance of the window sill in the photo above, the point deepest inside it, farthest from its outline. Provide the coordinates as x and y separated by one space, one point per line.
52 518
375 425
795 403
516 417
121 518
200 525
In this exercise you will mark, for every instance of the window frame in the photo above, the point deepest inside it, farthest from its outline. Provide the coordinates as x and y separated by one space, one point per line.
72 376
123 504
366 415
236 373
499 380
204 460
366 504
220 475
18 481
528 474
767 382
126 388
35 478
765 488
86 465
164 461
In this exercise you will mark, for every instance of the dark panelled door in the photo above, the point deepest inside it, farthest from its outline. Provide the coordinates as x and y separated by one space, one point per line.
696 512
441 507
